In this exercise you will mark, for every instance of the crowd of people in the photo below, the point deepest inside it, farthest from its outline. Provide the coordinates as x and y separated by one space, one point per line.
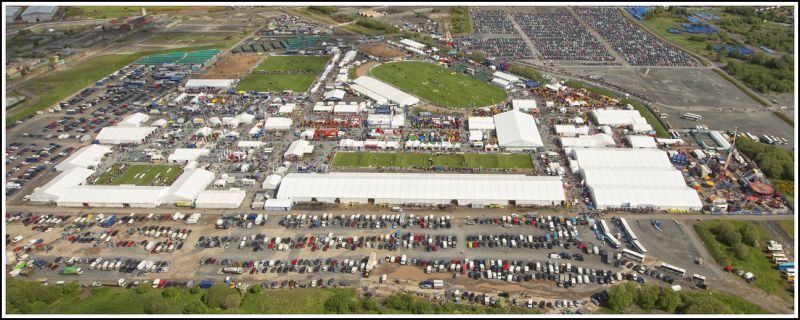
495 47
491 22
637 46
557 35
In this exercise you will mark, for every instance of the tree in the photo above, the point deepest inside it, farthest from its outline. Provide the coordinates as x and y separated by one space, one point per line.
621 296
477 56
255 289
142 289
341 303
170 292
740 251
156 307
71 289
194 290
647 297
750 235
231 302
195 307
668 301
221 297
727 234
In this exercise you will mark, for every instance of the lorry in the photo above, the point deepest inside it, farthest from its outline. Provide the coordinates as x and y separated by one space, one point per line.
72 270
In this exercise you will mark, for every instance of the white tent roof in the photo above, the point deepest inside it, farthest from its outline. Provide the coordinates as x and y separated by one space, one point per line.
287 108
299 148
638 196
337 94
187 154
271 182
384 90
345 108
505 76
113 196
720 140
321 107
412 43
88 156
569 130
523 104
220 198
517 130
67 179
278 204
190 183
599 140
378 98
159 123
501 82
402 188
120 135
245 118
210 83
642 141
618 117
250 144
634 178
134 120
278 123
480 123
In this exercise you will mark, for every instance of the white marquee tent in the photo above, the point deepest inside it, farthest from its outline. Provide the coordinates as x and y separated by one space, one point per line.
54 188
422 188
517 130
86 157
124 135
389 93
220 198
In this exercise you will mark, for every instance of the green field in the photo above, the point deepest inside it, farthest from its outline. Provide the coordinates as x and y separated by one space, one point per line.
788 226
416 160
631 298
58 85
141 175
767 276
302 70
28 297
311 64
103 12
439 85
362 30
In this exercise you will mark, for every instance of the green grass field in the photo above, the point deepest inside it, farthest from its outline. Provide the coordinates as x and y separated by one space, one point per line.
29 297
103 12
416 160
362 30
660 25
788 226
58 85
311 64
276 82
439 85
307 68
767 277
141 175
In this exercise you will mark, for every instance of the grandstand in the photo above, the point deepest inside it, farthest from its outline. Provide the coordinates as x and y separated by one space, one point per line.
194 57
297 43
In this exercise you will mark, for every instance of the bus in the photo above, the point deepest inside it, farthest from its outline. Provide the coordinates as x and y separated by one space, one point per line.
692 116
613 241
698 277
633 255
603 224
639 247
766 139
628 230
752 136
674 134
677 271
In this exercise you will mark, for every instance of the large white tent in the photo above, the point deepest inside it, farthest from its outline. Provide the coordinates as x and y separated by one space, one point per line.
517 130
613 117
278 123
210 83
86 157
634 178
113 196
375 87
189 184
123 135
183 155
134 120
422 188
642 141
480 123
220 198
524 104
599 140
54 188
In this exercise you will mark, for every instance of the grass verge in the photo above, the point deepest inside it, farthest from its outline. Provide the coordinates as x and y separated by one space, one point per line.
141 175
767 276
788 226
741 87
784 117
421 160
439 85
651 118
60 84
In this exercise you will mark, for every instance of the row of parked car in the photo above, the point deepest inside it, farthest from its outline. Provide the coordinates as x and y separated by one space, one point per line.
279 266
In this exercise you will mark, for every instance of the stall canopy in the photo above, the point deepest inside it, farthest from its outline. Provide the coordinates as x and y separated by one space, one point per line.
517 130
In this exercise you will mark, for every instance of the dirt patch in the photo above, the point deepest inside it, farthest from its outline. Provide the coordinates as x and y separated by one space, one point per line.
381 50
363 70
232 66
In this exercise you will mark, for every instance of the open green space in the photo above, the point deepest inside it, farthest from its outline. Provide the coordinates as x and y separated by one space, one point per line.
529 73
738 243
141 175
631 298
461 20
107 12
276 82
310 64
28 297
439 85
788 226
362 30
60 84
775 162
421 160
